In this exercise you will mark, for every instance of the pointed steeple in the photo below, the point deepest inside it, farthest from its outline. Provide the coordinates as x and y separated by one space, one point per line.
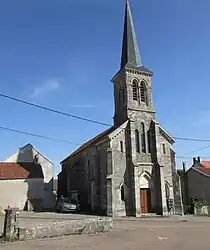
130 50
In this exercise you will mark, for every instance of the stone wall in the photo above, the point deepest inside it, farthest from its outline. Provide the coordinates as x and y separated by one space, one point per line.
202 211
14 229
119 172
70 227
87 172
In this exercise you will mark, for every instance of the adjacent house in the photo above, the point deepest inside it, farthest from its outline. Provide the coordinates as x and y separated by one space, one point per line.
129 169
196 182
55 186
21 185
28 154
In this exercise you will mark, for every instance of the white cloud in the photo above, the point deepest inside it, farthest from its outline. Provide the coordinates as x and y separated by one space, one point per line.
45 88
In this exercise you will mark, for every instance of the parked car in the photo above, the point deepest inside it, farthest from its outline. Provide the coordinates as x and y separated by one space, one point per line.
64 204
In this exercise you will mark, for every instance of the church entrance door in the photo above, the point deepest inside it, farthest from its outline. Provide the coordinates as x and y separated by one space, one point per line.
145 198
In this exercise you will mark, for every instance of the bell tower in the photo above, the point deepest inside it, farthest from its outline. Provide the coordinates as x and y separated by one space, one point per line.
133 82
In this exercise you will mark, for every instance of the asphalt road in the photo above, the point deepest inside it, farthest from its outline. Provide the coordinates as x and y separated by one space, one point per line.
133 235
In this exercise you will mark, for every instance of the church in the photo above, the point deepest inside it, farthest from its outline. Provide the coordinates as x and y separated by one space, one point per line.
129 169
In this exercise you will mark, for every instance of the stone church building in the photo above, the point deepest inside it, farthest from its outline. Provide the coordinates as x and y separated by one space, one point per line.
129 169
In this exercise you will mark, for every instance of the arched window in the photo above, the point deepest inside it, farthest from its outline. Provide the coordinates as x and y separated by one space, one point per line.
143 141
143 92
122 193
135 90
137 141
149 141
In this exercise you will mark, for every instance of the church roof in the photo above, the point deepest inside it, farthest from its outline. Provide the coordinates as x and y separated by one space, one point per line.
166 134
91 142
130 50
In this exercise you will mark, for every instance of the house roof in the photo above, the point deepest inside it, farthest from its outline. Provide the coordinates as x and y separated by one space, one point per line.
20 170
205 164
92 141
31 146
202 170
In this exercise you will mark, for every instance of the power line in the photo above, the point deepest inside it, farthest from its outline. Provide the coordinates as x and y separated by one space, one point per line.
85 119
68 142
197 150
191 139
190 157
37 135
53 110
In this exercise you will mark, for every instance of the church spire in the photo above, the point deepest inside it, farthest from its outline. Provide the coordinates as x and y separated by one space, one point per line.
130 50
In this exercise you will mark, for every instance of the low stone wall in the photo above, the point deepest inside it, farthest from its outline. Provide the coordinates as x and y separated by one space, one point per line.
204 210
69 227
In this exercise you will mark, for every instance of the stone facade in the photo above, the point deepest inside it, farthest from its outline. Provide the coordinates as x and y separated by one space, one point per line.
128 169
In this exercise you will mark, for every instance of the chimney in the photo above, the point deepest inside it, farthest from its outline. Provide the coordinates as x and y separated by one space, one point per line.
184 167
199 159
194 160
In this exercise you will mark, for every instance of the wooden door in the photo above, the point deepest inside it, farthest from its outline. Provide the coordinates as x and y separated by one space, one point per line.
145 200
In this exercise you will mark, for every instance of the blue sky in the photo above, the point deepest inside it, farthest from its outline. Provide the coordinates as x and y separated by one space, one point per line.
62 54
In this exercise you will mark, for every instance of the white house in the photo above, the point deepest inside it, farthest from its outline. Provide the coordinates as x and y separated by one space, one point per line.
28 154
21 185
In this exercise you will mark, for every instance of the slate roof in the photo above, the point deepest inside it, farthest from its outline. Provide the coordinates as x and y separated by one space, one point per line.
91 142
26 170
130 49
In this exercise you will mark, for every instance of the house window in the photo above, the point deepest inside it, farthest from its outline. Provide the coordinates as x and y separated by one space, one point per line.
143 141
36 159
137 141
122 193
121 146
164 148
149 141
143 92
135 90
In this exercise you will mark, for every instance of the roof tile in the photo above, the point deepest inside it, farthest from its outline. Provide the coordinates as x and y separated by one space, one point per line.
205 164
92 141
26 170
